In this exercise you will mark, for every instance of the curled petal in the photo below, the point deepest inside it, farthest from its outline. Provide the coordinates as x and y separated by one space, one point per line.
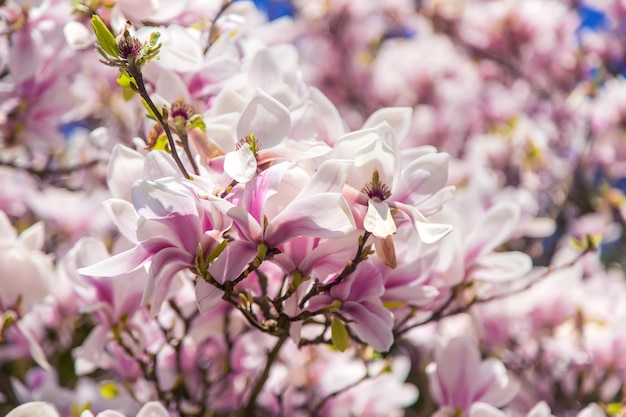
240 165
428 232
378 220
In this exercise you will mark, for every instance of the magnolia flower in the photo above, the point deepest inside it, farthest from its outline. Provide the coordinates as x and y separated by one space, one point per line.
171 225
375 181
459 378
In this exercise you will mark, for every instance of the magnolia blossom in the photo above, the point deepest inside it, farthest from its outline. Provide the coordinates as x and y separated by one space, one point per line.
171 225
459 378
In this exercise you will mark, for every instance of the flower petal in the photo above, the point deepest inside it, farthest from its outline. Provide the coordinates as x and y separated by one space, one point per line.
378 220
240 165
501 266
119 264
163 267
493 229
34 409
325 215
399 118
372 323
266 118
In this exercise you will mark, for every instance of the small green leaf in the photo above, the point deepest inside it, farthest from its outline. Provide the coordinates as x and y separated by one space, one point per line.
109 390
196 121
614 409
161 144
105 37
216 252
339 334
128 84
394 304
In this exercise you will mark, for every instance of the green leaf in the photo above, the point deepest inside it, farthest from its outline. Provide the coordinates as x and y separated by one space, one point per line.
339 334
161 144
128 84
614 409
105 37
109 390
196 121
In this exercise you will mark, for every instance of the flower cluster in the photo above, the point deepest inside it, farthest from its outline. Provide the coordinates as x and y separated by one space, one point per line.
312 208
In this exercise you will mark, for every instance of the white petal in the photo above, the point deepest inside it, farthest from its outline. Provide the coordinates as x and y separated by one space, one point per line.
398 117
266 118
501 266
124 168
378 220
34 409
124 217
240 165
77 35
153 409
33 238
432 232
494 229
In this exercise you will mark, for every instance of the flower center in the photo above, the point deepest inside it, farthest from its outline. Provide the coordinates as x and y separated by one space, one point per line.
182 109
129 46
375 189
249 141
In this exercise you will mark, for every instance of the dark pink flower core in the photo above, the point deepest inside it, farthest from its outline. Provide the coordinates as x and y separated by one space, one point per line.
375 189
129 46
182 109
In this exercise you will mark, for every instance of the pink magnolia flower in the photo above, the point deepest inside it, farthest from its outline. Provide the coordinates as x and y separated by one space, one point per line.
459 378
172 223
21 256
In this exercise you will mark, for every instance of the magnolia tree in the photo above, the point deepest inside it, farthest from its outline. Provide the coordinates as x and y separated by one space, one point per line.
312 208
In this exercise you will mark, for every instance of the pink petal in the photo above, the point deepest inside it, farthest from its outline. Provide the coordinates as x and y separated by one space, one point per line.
240 165
119 264
207 295
163 267
458 367
372 323
233 260
423 177
247 224
325 215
